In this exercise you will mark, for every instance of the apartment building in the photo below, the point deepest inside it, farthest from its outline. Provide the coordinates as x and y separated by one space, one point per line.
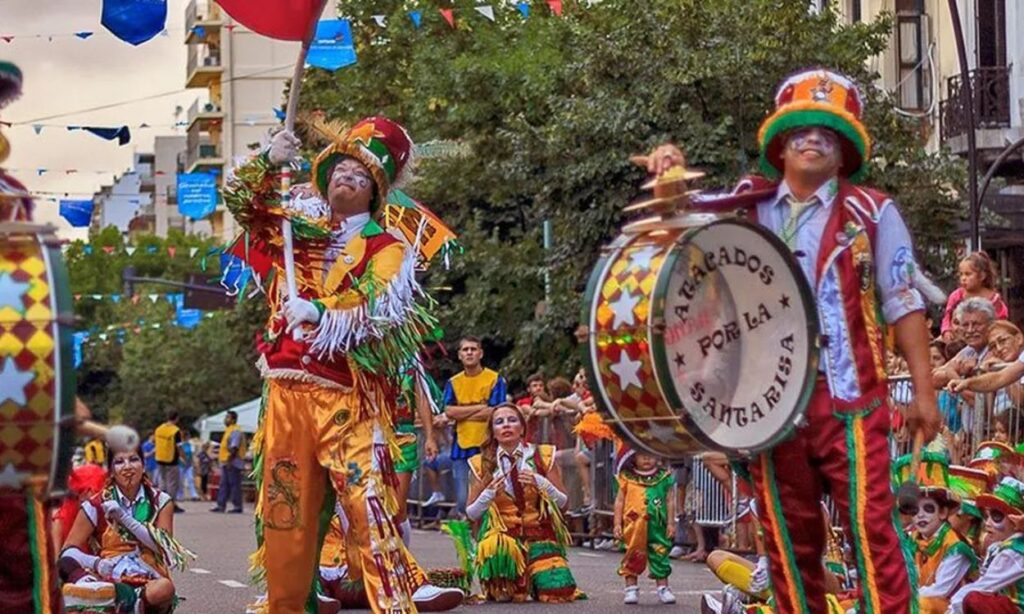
244 76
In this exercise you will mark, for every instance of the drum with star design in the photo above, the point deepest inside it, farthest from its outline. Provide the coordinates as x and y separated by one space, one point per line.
702 335
36 375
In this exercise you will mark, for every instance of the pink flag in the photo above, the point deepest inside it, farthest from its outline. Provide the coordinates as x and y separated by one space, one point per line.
282 19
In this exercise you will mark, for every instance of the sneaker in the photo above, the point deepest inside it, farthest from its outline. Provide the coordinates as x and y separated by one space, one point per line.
587 544
631 595
217 510
675 552
435 498
430 598
606 544
710 605
86 595
732 600
665 595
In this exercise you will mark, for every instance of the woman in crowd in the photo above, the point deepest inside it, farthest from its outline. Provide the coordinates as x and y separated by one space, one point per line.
977 279
131 527
517 497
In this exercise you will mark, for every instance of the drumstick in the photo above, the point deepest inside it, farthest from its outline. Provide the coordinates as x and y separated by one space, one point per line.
119 437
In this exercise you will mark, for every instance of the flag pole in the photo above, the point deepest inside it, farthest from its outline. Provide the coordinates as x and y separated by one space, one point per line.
286 171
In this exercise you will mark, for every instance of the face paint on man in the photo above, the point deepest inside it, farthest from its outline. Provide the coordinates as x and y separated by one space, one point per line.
930 516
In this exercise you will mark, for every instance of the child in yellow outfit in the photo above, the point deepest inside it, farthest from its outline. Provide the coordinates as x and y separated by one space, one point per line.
643 509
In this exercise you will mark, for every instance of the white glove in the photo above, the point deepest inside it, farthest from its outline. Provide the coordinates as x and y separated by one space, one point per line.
113 510
105 568
760 578
544 484
477 508
284 147
299 310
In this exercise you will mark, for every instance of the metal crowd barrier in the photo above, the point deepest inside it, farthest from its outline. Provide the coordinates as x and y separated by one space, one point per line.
968 419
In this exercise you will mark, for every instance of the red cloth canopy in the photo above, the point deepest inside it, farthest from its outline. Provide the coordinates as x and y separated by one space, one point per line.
281 19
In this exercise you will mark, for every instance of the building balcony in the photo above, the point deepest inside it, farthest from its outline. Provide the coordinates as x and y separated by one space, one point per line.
991 91
204 67
205 156
203 21
204 116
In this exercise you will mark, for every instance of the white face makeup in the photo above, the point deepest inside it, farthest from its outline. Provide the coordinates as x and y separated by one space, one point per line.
127 468
813 139
997 525
929 517
506 426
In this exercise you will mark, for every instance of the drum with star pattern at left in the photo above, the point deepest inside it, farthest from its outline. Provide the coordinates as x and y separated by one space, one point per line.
36 374
702 336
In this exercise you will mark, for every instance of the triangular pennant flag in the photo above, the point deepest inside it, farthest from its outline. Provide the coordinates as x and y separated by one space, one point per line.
449 16
87 249
116 298
109 249
40 171
7 39
135 299
417 18
524 8
134 21
37 127
129 250
78 297
171 250
486 10
83 35
97 297
154 297
556 7
192 251
380 20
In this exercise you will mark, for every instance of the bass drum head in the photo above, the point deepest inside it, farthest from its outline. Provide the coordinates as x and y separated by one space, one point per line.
737 356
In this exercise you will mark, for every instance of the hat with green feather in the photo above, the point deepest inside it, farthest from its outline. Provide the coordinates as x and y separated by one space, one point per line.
1007 497
816 98
379 144
932 476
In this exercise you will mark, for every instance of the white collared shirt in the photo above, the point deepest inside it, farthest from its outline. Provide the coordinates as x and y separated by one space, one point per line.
340 237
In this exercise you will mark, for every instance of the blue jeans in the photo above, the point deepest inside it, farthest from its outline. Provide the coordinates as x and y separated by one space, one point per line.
230 487
460 474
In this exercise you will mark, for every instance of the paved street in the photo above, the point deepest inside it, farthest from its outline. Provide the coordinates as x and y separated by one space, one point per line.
219 582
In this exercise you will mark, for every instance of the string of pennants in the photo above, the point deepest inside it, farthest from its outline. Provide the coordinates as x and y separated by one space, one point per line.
415 16
173 298
130 250
118 333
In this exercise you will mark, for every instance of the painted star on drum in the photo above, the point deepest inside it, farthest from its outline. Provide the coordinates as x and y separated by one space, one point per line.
11 292
13 382
623 309
628 371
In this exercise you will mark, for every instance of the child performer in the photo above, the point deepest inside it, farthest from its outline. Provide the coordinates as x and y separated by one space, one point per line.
643 509
1000 589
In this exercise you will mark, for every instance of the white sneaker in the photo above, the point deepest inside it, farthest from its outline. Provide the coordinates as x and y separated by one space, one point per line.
675 552
605 544
631 595
665 595
430 598
435 498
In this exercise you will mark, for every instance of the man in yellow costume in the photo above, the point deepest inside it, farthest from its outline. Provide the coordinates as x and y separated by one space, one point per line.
329 355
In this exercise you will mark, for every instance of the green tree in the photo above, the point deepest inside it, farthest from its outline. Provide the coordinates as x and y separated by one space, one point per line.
550 110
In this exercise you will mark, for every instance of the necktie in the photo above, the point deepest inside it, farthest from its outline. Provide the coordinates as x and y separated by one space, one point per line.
792 223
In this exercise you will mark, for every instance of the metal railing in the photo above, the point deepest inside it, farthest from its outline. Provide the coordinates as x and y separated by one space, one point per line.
991 89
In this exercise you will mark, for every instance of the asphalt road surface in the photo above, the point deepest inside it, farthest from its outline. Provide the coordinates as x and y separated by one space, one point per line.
218 582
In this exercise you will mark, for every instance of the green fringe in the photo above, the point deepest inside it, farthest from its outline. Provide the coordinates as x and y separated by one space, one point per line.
539 549
258 574
500 566
465 547
551 579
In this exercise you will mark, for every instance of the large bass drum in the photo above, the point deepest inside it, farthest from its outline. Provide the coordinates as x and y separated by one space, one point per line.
703 335
36 374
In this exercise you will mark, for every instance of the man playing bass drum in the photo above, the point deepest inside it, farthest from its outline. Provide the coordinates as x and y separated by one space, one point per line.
856 253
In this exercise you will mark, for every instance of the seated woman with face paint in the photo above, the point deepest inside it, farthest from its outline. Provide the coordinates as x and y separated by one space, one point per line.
130 524
942 557
999 588
517 497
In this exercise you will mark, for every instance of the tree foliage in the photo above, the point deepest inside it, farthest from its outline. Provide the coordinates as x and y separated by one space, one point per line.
143 365
550 110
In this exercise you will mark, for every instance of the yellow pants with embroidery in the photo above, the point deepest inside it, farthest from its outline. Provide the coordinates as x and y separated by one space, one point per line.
315 436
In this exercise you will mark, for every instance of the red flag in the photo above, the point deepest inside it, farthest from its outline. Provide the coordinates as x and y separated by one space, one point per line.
171 250
556 7
282 19
449 16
